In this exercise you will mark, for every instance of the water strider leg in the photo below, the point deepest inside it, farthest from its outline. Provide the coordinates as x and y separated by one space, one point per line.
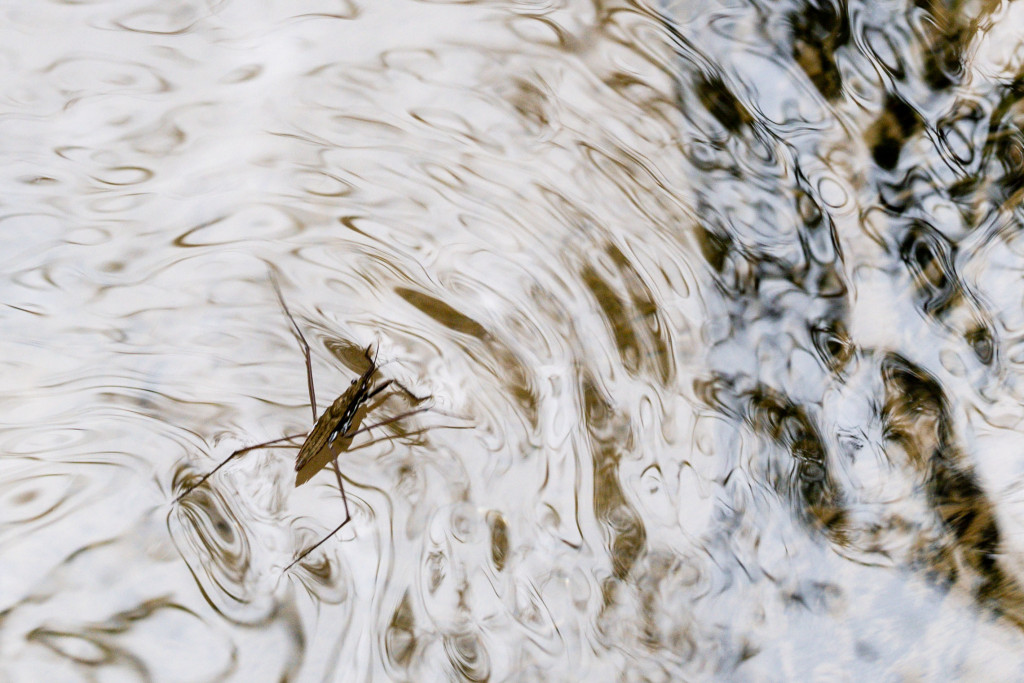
382 387
386 384
388 421
312 397
302 342
348 515
373 364
307 551
379 403
309 374
312 402
240 451
414 397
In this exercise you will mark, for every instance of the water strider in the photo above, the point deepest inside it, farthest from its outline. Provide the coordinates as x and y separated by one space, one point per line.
333 432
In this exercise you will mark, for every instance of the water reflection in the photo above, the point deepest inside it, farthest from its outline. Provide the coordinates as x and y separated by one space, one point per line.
718 305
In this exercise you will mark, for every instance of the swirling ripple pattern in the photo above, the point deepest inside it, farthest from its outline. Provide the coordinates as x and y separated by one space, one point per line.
718 307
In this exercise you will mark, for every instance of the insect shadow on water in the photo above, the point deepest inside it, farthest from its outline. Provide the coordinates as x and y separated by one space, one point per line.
333 432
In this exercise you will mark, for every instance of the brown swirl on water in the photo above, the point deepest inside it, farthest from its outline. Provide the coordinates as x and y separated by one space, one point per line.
505 363
29 501
499 539
400 642
217 535
609 437
468 656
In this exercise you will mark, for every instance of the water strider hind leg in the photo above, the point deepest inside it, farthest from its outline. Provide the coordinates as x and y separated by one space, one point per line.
307 551
349 436
309 374
312 403
348 514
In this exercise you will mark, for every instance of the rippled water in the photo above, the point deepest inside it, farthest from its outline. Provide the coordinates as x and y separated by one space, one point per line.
719 306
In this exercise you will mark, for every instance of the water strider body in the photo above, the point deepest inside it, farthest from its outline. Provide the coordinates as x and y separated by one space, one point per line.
333 432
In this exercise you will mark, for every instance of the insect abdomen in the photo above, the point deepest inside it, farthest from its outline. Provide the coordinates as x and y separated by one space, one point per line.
328 423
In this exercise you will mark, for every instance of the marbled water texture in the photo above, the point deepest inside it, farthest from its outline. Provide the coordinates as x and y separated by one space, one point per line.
719 307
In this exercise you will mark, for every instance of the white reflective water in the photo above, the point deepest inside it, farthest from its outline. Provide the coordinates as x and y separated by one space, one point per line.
719 306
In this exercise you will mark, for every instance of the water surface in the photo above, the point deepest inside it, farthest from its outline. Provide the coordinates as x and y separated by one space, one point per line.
719 306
